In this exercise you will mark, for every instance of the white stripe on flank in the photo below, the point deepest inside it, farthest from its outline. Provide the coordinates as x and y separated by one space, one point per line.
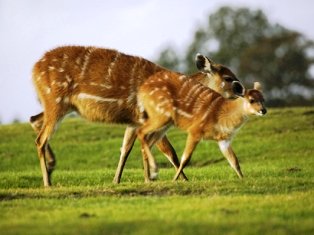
105 86
85 96
131 98
162 103
112 64
206 114
185 83
86 61
133 72
192 92
183 113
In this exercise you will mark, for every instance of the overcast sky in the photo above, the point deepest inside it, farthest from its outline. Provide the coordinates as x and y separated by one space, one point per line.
28 28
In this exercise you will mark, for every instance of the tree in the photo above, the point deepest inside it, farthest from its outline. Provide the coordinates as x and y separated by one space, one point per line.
281 63
168 58
256 50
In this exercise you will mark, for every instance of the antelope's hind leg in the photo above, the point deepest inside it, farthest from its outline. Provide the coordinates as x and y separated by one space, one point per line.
149 127
42 139
37 123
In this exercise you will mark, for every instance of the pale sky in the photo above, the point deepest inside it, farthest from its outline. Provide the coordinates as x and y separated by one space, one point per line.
28 28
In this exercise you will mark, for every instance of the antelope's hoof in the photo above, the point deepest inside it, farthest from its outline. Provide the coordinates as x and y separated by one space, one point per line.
154 176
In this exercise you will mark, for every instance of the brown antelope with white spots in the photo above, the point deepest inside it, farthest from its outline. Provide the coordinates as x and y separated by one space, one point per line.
102 85
200 111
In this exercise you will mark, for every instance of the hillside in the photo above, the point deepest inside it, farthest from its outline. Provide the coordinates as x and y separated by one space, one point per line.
276 153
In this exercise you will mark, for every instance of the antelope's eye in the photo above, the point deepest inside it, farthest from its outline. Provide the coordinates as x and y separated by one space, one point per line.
252 101
228 79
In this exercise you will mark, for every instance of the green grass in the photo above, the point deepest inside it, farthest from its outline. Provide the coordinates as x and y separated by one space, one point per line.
276 196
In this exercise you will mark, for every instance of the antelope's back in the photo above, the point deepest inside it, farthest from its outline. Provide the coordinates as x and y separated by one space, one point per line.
187 101
101 84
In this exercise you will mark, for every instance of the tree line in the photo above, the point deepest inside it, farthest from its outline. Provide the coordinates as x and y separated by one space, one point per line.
256 50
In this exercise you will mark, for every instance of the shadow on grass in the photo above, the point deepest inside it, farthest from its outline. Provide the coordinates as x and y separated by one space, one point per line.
160 189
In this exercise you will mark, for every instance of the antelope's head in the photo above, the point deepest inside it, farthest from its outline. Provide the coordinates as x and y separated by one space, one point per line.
219 78
254 101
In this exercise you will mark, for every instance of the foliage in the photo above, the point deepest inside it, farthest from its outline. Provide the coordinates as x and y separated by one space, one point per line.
275 197
169 59
256 50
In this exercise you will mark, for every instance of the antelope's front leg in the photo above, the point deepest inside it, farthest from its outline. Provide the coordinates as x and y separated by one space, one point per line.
225 148
190 145
128 142
165 146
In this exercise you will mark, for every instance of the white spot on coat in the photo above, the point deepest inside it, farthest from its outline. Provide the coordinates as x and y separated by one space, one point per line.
65 84
68 78
120 102
38 78
168 114
182 77
153 91
66 100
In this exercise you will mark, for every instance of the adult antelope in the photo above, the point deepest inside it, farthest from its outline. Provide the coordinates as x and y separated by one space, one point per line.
168 99
101 85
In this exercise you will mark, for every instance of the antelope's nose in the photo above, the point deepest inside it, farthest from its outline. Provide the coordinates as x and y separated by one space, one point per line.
264 111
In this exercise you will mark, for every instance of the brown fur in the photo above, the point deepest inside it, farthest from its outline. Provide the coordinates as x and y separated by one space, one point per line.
101 85
203 113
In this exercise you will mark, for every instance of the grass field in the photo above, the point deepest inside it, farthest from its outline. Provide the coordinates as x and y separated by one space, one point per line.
276 196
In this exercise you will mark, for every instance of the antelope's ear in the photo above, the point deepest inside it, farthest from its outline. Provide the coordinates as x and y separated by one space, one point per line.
257 86
203 63
238 89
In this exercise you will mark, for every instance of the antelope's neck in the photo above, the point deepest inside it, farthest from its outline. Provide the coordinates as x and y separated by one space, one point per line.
230 119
